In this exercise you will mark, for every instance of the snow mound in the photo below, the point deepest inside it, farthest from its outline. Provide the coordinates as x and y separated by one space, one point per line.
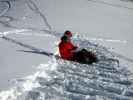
64 80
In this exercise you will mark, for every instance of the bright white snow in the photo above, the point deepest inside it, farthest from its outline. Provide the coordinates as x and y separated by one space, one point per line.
106 22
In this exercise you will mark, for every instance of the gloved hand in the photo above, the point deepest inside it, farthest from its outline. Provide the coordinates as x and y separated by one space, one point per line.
57 57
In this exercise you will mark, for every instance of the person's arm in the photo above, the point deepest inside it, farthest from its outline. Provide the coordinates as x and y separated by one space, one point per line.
73 46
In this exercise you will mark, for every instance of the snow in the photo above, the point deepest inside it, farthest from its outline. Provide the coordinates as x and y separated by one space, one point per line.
62 80
108 23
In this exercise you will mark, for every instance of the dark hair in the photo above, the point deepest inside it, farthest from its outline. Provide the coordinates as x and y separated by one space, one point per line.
67 31
64 38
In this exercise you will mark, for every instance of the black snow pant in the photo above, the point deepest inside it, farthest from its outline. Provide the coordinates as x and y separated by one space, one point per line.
85 57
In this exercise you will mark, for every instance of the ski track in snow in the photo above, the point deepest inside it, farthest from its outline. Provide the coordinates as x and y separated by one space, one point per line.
5 6
110 4
34 8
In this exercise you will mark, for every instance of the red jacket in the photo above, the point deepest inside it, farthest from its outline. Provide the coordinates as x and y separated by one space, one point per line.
65 49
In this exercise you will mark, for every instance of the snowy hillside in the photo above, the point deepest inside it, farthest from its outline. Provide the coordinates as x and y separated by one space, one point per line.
64 80
104 27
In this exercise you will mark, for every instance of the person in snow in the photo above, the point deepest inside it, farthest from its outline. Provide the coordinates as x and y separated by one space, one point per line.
68 51
66 48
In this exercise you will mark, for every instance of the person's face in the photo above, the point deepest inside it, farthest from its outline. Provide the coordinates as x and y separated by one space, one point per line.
69 36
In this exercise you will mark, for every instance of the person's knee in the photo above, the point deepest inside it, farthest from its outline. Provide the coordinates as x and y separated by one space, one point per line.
84 50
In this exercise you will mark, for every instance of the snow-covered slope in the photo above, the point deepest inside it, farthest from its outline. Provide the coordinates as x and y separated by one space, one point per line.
106 22
65 80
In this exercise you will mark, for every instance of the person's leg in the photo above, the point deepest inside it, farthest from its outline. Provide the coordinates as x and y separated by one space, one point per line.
85 57
79 57
89 57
